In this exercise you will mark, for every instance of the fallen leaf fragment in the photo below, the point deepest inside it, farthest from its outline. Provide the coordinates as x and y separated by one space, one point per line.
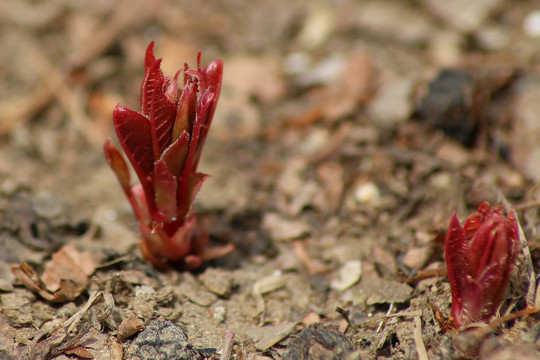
129 327
272 335
68 264
79 351
386 291
64 278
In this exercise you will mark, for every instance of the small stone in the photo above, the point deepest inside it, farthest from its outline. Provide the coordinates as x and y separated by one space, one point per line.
191 289
315 140
162 340
463 15
326 71
531 24
254 76
396 92
416 258
447 104
311 318
220 313
445 48
144 290
367 193
296 63
394 19
493 38
453 153
282 229
441 180
319 24
237 120
349 275
5 285
217 281
290 181
320 342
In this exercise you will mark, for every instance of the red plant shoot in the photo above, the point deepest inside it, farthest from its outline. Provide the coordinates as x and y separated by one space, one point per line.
480 257
163 143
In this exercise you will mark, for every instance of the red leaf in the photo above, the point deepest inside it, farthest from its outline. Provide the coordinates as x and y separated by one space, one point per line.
149 58
456 250
493 282
185 117
133 131
175 155
212 74
165 192
470 303
488 244
118 164
201 127
162 116
152 81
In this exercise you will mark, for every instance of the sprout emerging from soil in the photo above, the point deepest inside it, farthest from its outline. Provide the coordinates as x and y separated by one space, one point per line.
163 143
480 257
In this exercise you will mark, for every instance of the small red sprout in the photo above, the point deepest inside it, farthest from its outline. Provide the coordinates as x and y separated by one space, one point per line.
163 143
480 258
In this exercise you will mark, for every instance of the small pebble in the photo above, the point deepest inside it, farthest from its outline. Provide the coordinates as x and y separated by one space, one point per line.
220 313
367 193
349 275
531 24
162 340
416 258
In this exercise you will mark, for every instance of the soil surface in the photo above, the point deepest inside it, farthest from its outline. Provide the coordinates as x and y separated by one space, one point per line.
346 135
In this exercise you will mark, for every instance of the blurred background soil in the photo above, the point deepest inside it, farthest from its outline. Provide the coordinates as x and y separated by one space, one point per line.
346 134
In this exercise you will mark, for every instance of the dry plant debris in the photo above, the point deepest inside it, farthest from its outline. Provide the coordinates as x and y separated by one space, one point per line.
65 277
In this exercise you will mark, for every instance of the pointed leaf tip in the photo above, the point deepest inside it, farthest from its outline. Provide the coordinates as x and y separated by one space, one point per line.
149 58
152 84
213 74
214 68
455 243
175 155
117 163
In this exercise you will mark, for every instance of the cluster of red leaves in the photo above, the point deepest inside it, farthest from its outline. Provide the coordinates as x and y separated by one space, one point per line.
163 143
480 257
